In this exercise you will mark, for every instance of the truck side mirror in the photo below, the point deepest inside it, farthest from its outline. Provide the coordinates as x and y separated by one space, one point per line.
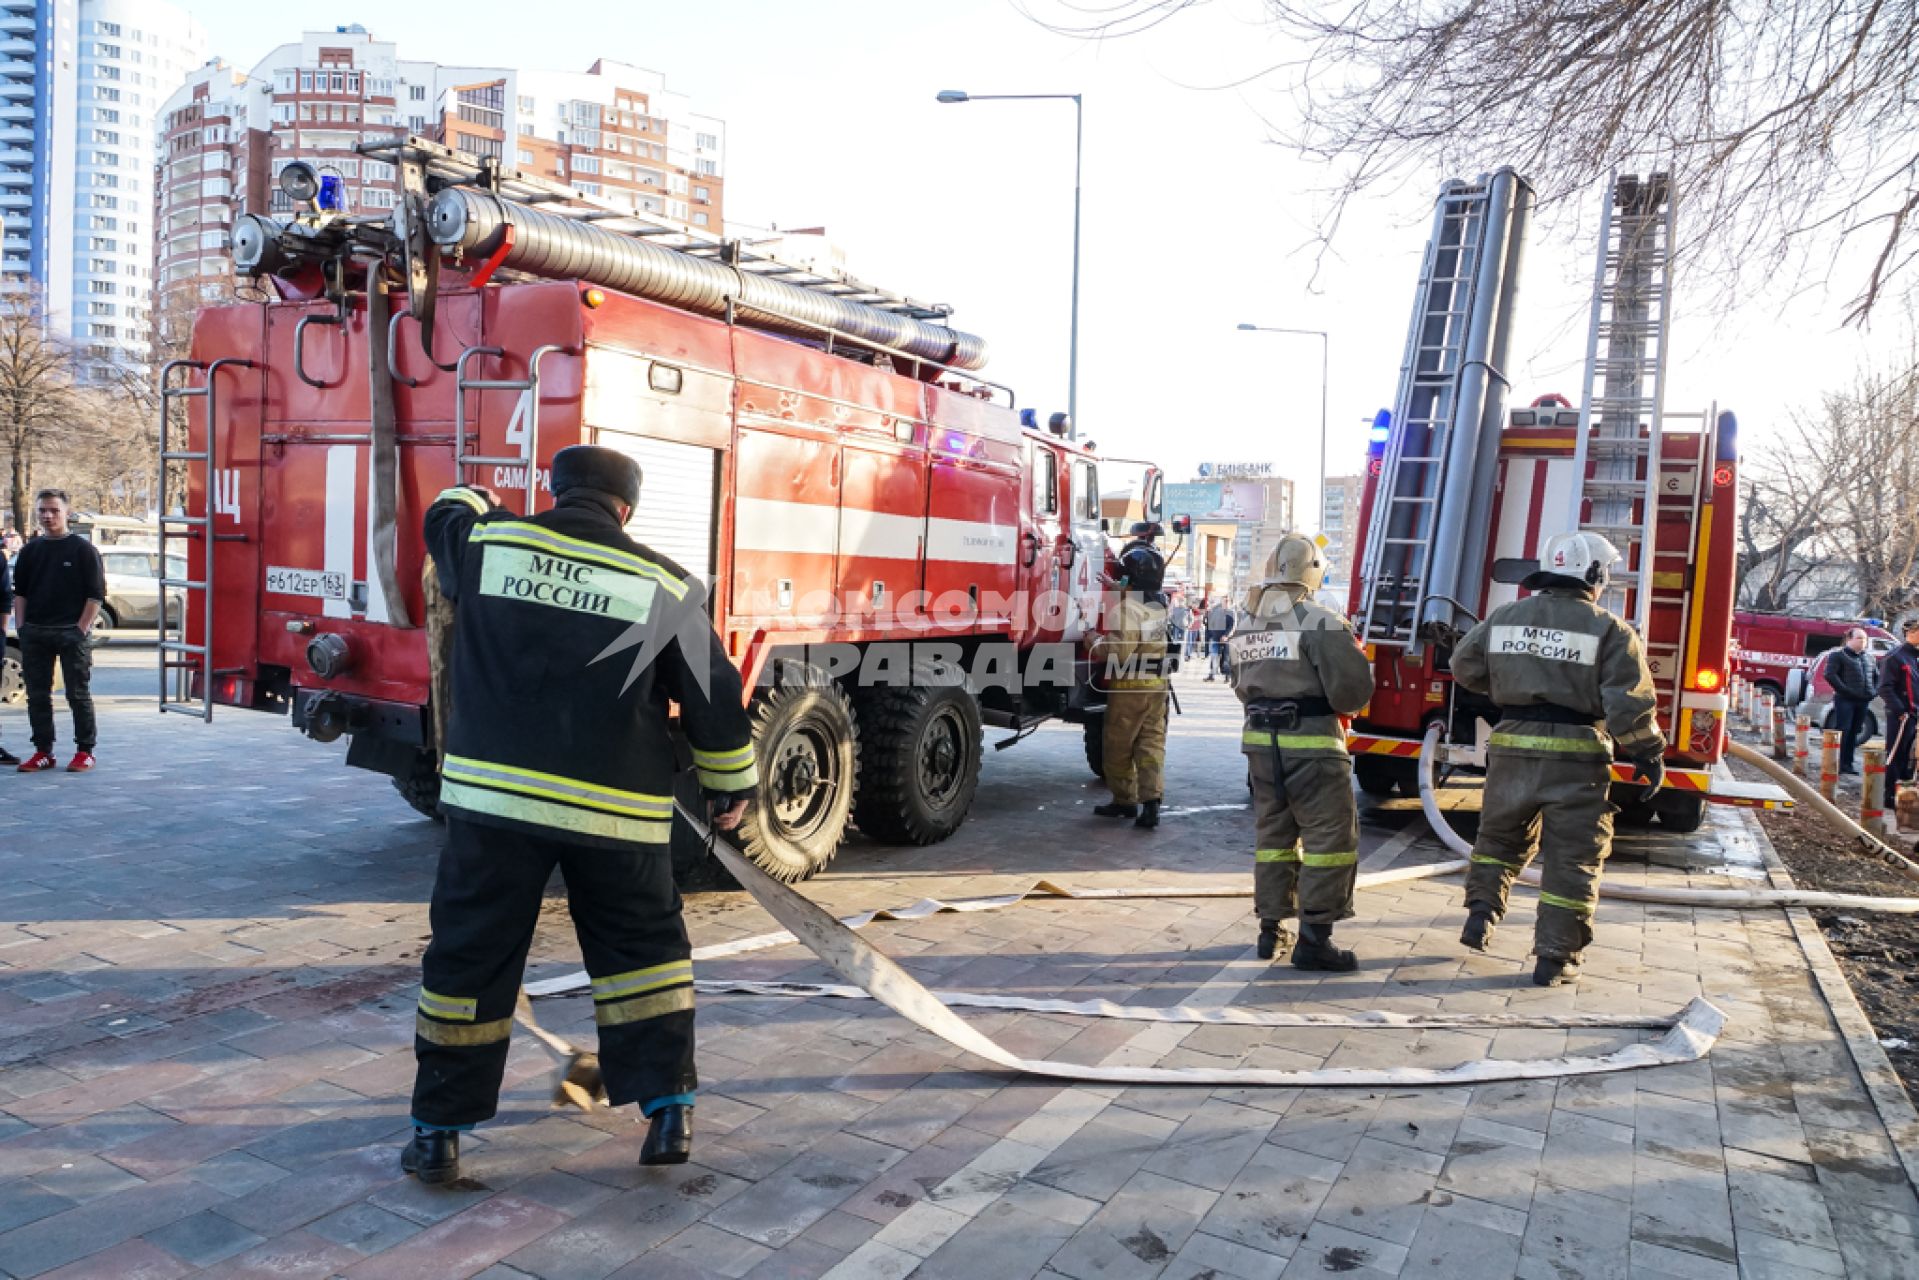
1182 524
1513 570
1106 524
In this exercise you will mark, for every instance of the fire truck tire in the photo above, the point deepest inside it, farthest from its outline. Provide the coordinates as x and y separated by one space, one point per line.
1682 814
1096 743
920 753
809 753
421 788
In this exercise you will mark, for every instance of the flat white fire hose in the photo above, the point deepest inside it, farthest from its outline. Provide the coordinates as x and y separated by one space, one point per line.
1835 818
1689 1034
1733 899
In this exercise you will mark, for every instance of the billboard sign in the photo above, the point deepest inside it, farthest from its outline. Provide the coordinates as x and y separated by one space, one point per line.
1217 501
1235 470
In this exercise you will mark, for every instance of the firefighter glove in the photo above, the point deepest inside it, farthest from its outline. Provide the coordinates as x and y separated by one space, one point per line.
1650 769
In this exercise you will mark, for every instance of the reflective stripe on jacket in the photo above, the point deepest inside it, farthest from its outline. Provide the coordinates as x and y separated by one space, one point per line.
1299 650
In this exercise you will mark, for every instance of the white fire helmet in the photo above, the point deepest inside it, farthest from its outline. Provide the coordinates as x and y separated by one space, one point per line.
1297 562
1585 556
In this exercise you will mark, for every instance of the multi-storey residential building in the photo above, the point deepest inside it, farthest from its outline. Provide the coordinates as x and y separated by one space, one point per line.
1339 521
215 157
613 131
81 83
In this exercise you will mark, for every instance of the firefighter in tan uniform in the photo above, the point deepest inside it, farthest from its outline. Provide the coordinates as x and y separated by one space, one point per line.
1134 651
1298 670
1573 690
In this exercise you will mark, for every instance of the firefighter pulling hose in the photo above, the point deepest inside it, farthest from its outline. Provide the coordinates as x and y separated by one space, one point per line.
570 641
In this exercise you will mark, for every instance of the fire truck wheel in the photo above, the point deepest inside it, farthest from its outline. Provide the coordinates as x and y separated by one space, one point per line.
1096 743
919 762
809 753
13 688
1682 813
421 788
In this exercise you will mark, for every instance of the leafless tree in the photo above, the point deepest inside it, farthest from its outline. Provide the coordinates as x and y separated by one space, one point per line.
1877 516
38 402
1789 125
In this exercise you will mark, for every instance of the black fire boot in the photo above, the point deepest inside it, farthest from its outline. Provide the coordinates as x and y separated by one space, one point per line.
433 1156
1116 810
1148 815
1272 939
1315 950
1555 971
1478 933
670 1140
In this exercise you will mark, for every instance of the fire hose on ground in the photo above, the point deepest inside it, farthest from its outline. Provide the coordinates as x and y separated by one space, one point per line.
1689 1033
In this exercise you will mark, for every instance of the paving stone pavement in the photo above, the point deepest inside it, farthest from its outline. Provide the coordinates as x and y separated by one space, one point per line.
207 967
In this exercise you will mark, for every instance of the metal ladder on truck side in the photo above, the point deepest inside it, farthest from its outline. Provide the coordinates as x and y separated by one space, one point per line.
1399 544
180 658
1622 409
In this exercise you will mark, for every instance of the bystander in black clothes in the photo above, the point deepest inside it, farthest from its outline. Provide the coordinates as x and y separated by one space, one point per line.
6 613
59 584
1854 681
1899 691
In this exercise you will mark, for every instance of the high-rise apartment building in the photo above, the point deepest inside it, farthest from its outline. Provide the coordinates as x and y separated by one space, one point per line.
613 131
81 83
1339 522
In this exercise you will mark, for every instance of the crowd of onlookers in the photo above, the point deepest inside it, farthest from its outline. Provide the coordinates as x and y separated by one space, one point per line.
1203 628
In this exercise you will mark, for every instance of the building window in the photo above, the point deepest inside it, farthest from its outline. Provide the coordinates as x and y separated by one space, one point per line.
339 81
476 146
104 94
524 103
101 286
109 29
352 82
587 188
586 164
417 92
699 219
106 50
707 142
107 72
525 156
306 82
702 193
709 169
416 123
102 309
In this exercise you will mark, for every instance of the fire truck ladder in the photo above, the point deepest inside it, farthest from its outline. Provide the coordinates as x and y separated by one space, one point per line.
1620 424
180 657
1399 546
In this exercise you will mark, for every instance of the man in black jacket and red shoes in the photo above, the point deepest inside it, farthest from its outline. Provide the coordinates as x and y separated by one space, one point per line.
571 641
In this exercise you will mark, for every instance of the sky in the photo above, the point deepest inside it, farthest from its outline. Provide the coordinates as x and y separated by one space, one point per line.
1194 220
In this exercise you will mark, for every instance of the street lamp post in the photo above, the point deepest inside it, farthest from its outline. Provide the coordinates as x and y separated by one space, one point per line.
1325 346
950 96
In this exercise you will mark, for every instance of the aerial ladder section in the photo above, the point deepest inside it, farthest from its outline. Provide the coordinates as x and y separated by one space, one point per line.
1427 539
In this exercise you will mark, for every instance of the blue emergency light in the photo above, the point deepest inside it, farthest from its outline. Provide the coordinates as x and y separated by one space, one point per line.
1029 419
330 196
1382 426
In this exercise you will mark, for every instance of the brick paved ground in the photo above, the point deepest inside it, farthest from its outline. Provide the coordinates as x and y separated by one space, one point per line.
206 955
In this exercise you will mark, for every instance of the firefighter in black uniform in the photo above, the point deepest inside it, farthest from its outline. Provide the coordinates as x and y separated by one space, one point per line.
570 640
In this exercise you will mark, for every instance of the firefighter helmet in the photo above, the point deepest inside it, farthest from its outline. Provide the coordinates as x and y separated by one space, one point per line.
1584 557
1145 568
1146 530
594 466
1296 567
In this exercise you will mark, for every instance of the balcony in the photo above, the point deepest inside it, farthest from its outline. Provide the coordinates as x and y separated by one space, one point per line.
15 200
16 113
17 24
14 135
17 46
16 90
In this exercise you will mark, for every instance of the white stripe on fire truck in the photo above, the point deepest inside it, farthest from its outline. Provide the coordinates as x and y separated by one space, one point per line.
376 610
816 528
342 521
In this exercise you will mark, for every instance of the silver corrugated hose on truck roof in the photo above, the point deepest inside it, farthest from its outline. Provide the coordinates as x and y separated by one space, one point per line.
547 244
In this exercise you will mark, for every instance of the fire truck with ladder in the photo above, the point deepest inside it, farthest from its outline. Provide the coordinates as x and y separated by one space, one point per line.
823 451
1460 490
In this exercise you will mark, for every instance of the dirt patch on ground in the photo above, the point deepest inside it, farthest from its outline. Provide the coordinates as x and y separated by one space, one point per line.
1879 953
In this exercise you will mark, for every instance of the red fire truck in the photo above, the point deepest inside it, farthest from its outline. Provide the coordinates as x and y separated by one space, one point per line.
1460 492
901 556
